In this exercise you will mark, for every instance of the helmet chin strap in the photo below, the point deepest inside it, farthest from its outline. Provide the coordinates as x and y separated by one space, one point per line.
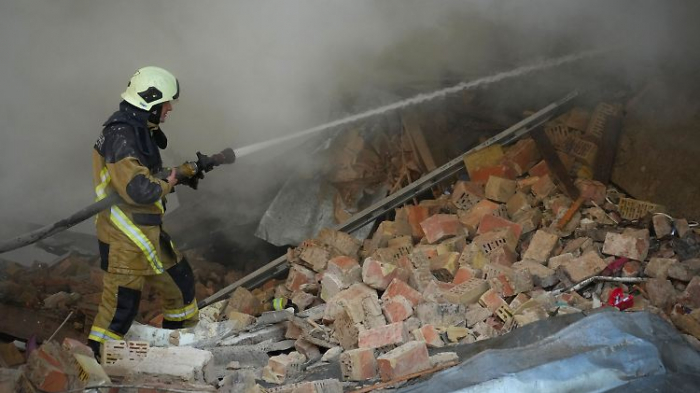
155 112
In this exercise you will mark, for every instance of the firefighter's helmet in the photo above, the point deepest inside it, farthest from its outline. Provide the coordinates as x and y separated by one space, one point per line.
151 86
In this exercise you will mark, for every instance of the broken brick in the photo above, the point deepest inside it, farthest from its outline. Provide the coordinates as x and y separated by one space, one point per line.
441 226
407 359
541 246
489 223
378 274
544 187
397 287
658 267
633 245
542 276
397 309
482 175
491 300
445 266
522 156
472 217
383 336
499 189
358 364
467 292
466 194
430 335
517 203
691 295
299 276
416 215
661 292
579 269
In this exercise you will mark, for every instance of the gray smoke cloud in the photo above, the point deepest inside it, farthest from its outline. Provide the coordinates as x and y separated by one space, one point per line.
252 70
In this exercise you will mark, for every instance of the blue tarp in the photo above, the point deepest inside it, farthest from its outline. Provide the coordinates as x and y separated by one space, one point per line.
605 351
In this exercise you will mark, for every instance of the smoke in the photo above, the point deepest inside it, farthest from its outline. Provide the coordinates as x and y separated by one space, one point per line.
251 71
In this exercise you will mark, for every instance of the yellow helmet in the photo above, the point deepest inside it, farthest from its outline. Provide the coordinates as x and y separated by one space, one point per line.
151 86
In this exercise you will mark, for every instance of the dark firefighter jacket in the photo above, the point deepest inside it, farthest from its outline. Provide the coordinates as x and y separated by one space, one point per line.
124 158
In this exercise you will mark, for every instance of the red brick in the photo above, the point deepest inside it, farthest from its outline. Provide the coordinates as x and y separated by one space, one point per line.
473 216
445 266
441 226
47 368
409 358
517 203
540 169
544 187
383 336
466 194
633 245
307 349
492 300
397 309
464 274
541 246
482 175
529 219
503 256
631 269
345 268
315 256
397 287
592 190
378 274
499 189
522 156
525 184
489 223
467 292
298 276
430 335
358 364
416 215
583 267
493 240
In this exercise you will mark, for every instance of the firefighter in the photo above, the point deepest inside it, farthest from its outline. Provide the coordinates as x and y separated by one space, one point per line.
134 248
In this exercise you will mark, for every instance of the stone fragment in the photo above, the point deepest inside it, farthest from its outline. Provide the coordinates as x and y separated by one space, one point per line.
661 292
555 262
441 314
441 226
243 301
541 246
499 189
662 225
691 295
358 364
631 269
542 276
658 267
412 357
630 244
444 359
579 269
679 272
309 350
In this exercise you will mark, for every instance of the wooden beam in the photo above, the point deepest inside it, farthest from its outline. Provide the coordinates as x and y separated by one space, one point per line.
608 148
556 167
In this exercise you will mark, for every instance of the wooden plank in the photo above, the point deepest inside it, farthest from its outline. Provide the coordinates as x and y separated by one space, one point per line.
410 124
606 151
556 167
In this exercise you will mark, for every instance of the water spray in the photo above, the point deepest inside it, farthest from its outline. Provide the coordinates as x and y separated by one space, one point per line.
423 97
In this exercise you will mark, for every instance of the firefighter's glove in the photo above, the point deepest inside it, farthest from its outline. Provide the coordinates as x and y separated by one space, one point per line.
193 181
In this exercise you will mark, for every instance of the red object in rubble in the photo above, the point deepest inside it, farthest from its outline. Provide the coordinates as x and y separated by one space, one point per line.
620 300
615 266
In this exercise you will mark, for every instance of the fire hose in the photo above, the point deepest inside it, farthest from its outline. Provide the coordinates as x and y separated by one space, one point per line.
189 172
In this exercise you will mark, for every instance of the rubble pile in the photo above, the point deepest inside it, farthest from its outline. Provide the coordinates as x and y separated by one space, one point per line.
503 250
74 283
